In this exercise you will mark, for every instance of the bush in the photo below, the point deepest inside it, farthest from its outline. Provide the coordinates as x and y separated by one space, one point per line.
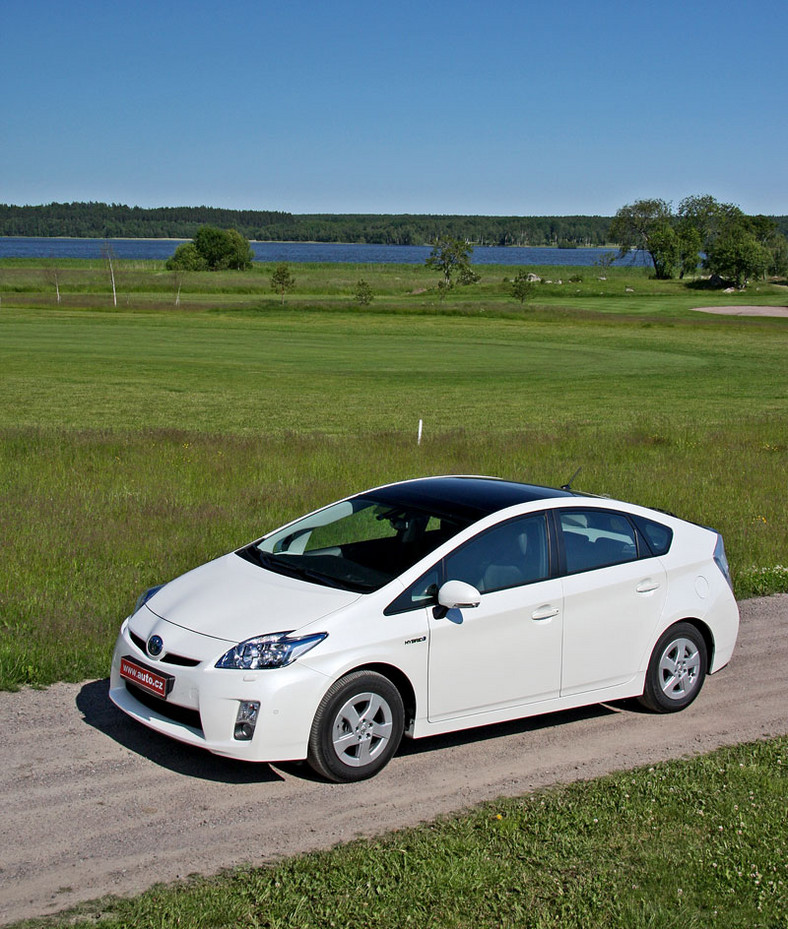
213 249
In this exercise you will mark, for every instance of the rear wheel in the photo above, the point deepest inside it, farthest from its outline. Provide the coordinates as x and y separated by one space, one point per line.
357 727
676 670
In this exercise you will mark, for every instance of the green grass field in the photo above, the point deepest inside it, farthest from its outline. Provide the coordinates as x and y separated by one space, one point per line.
137 442
404 288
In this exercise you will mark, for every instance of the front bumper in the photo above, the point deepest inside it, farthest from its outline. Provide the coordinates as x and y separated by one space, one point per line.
211 697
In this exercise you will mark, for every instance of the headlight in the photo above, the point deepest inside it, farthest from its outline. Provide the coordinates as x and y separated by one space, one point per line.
144 597
269 651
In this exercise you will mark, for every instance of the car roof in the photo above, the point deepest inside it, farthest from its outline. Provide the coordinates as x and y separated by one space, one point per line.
462 496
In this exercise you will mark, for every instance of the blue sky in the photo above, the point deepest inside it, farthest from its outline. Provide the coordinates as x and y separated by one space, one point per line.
495 107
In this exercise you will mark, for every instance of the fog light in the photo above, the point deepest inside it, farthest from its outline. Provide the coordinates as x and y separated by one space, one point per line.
246 720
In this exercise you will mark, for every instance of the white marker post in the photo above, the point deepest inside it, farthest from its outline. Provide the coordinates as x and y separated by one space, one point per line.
421 424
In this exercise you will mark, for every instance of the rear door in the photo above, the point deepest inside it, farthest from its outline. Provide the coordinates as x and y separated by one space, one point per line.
614 593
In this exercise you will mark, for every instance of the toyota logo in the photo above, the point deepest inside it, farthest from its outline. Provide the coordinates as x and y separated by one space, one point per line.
155 646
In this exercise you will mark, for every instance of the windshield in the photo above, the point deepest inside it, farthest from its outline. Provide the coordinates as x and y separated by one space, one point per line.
358 544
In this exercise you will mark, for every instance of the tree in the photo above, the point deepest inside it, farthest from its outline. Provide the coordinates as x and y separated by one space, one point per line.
213 249
736 247
706 215
647 225
769 236
187 258
363 293
736 255
239 252
109 257
52 276
522 286
689 245
282 281
779 252
665 249
450 257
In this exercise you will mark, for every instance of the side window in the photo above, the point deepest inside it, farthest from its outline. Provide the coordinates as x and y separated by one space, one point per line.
508 555
596 539
657 536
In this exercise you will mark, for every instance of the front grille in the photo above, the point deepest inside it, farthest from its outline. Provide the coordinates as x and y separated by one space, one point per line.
168 658
178 714
181 660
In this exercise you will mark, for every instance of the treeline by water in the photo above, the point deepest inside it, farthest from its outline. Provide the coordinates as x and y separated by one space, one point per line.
116 221
102 220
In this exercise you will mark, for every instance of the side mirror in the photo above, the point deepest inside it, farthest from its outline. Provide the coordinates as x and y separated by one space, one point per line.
457 595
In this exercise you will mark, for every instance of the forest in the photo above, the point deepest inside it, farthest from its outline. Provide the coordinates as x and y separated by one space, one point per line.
102 220
114 220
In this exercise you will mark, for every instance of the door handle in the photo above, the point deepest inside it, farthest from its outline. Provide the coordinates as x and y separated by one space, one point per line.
645 587
545 612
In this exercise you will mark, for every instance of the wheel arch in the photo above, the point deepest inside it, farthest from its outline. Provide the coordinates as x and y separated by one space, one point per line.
706 634
399 679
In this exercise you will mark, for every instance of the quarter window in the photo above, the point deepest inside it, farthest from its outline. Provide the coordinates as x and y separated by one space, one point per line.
657 536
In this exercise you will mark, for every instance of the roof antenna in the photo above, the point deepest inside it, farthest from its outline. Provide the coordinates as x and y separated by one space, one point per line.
568 484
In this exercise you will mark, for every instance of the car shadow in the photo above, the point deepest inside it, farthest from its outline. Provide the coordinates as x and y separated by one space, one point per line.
101 713
513 727
436 743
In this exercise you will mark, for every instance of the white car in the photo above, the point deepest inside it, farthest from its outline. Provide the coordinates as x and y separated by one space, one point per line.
424 607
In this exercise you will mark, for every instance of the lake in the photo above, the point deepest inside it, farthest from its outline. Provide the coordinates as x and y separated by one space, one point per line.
297 252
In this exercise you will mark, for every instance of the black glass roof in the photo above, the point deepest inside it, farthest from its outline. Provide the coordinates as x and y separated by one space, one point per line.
469 498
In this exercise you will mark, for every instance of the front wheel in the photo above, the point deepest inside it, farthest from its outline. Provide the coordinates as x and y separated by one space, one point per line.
357 727
676 670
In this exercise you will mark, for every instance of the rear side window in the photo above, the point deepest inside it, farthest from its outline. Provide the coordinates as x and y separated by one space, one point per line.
656 535
596 539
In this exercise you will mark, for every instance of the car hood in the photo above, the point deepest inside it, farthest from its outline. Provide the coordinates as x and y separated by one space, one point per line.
233 600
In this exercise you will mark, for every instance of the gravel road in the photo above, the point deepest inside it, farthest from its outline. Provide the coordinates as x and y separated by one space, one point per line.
94 804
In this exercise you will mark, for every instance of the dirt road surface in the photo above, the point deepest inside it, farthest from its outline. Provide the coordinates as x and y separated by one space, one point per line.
94 804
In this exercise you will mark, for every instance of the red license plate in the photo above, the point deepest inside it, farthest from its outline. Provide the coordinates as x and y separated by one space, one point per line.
145 677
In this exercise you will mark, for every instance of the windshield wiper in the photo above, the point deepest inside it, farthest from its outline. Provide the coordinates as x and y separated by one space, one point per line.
300 571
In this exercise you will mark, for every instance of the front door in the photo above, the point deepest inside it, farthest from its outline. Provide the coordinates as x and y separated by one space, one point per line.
507 651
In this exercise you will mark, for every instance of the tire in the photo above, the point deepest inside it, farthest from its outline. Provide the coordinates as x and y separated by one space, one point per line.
357 727
676 669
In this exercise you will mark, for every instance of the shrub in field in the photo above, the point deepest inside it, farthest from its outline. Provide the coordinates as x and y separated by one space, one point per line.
282 281
213 249
523 286
363 293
